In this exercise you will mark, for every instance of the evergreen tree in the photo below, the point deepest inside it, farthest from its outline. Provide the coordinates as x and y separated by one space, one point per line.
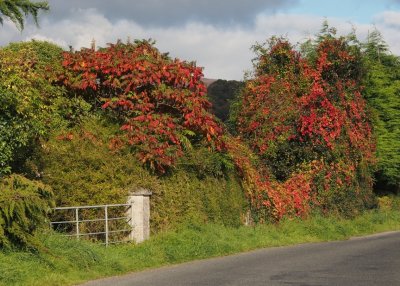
382 91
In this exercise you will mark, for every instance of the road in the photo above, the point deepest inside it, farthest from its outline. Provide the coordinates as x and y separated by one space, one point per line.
371 260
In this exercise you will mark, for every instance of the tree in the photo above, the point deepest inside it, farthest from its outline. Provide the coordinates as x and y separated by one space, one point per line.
382 91
17 10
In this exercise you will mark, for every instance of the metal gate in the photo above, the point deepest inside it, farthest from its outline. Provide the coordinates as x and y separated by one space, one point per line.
108 223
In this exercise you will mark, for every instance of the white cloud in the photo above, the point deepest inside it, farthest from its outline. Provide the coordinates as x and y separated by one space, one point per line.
77 31
224 52
389 18
388 23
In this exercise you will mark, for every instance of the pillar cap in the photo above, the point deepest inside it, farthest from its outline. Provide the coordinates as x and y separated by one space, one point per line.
140 192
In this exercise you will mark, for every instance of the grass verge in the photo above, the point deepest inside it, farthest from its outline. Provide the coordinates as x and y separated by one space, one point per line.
69 262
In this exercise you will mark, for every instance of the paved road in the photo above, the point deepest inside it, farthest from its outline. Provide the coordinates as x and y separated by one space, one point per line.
371 260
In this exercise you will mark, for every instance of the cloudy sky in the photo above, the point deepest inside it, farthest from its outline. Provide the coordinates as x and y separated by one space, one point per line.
217 34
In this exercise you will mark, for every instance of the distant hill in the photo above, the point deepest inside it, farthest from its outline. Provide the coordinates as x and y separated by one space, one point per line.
221 93
208 81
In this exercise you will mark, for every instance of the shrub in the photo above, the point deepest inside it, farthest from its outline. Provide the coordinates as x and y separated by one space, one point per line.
201 189
27 95
24 205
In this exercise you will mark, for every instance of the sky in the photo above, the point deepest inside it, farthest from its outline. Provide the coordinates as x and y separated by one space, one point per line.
217 34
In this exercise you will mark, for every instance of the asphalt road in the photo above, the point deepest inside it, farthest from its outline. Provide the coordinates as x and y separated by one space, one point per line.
371 260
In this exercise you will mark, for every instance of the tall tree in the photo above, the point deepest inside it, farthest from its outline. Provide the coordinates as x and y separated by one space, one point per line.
17 10
382 91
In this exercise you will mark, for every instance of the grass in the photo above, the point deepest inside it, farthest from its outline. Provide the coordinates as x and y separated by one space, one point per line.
69 262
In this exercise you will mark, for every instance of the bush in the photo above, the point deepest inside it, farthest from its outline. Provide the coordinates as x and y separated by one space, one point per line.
83 170
389 203
24 205
184 197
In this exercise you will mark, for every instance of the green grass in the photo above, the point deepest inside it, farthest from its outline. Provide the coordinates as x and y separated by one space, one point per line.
68 262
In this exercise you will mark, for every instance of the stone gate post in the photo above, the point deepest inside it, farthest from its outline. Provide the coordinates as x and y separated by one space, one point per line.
139 214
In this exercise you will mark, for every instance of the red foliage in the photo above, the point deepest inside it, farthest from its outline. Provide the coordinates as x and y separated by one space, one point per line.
333 112
291 198
315 110
160 100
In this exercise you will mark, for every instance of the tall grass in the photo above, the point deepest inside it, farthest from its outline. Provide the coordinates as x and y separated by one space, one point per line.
68 261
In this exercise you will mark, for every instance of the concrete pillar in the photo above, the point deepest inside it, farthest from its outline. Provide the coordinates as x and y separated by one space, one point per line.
139 214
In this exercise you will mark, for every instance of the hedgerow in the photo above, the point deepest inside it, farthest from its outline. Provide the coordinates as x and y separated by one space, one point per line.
82 169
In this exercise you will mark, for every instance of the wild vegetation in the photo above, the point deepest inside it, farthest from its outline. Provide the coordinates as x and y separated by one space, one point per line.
306 136
81 144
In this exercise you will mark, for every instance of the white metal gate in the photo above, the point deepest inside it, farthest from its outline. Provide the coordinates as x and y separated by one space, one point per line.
102 219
